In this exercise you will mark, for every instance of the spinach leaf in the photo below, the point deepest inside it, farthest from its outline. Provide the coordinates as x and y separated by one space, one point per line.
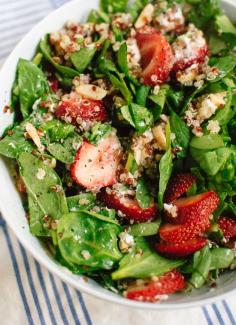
97 16
36 219
211 161
82 58
224 25
82 201
207 142
32 84
144 265
40 181
201 267
119 83
131 165
84 240
202 13
46 51
138 116
165 170
221 258
143 194
142 94
225 65
135 7
123 63
57 130
12 145
145 228
159 100
98 131
113 6
182 133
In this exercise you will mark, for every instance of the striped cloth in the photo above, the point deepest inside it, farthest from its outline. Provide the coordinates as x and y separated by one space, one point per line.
29 294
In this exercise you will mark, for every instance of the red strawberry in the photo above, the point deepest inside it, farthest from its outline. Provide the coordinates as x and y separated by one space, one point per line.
189 48
156 56
183 233
127 205
181 249
191 210
96 166
53 83
228 226
75 110
152 290
178 186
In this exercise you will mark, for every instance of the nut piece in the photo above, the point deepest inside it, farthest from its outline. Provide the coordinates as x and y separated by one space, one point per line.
91 92
145 17
33 133
159 135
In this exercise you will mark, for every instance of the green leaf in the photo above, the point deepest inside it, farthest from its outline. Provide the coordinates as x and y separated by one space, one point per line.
41 188
123 63
119 83
143 194
224 25
46 51
182 133
142 94
113 6
32 84
98 132
84 240
57 130
221 258
201 267
144 265
207 142
165 170
145 228
225 115
159 100
82 58
82 201
36 219
135 8
131 165
224 64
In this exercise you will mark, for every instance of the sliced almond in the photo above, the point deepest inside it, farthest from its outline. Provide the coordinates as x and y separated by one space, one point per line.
91 92
33 134
160 137
145 17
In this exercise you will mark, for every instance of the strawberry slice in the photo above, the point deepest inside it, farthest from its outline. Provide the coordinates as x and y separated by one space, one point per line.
152 290
181 249
228 226
178 186
156 56
182 233
53 83
189 48
129 206
96 166
193 209
76 110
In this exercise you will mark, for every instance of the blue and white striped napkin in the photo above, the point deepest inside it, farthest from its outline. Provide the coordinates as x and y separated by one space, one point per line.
29 294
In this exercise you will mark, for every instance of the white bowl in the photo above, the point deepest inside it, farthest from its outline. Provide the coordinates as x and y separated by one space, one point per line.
10 202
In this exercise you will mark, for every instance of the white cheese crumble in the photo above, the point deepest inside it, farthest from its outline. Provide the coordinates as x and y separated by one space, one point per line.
171 209
126 242
41 174
86 255
170 20
213 126
142 147
160 136
156 90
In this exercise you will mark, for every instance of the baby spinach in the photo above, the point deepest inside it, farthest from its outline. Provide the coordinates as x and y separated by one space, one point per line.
135 7
221 258
165 170
144 262
207 142
182 133
98 16
119 83
143 194
82 58
225 115
85 240
123 63
82 201
113 5
138 116
98 131
46 51
41 182
32 84
201 267
36 219
224 64
57 130
159 100
142 94
131 165
145 228
203 13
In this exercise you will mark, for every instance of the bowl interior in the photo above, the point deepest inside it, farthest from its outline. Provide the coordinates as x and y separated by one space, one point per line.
10 202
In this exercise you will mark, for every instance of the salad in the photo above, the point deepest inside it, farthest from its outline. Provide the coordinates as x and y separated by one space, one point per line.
123 145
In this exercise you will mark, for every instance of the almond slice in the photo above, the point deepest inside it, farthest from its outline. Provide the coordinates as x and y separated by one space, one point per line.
145 17
91 92
33 133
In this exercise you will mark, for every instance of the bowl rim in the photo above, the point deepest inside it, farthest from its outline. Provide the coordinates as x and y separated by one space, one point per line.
63 274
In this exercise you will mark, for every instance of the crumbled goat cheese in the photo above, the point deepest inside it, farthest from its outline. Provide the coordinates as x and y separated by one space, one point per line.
126 242
142 147
156 90
170 20
33 134
145 16
171 209
213 126
133 56
187 45
41 174
160 136
86 255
